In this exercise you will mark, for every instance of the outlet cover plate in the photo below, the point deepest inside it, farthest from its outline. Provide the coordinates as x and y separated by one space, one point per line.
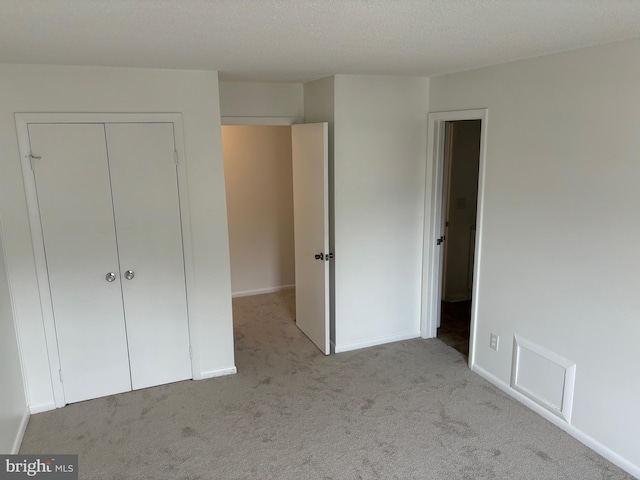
493 342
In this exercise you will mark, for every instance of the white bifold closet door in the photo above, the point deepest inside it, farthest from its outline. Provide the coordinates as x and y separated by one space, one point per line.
147 216
108 203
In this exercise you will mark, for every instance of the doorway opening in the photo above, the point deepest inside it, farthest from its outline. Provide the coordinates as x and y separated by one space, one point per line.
275 248
453 227
259 193
462 159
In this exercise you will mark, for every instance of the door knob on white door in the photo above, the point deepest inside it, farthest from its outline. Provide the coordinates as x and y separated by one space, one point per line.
110 277
129 274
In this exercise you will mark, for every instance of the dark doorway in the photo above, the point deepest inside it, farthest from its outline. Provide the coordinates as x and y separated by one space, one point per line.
462 159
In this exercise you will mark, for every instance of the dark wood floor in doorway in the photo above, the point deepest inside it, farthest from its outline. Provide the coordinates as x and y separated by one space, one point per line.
455 322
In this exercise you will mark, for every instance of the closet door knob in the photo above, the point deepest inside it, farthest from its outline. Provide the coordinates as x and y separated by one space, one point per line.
110 277
129 274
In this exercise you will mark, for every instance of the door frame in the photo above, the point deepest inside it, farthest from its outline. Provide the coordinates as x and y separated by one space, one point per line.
290 121
435 203
37 239
260 121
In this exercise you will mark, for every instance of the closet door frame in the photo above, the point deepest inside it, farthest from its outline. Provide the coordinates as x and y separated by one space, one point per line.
22 122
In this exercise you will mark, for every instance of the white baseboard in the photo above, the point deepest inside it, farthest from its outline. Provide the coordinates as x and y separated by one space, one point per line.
375 341
261 291
42 407
579 435
217 373
20 433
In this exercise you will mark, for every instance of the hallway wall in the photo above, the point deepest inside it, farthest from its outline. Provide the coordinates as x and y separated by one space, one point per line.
259 186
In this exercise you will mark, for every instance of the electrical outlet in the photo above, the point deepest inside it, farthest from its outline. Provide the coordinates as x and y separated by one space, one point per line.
493 342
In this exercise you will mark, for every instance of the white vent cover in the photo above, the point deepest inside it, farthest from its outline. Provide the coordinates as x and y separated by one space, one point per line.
544 377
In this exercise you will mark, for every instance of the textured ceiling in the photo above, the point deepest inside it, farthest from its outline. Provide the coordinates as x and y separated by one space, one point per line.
299 40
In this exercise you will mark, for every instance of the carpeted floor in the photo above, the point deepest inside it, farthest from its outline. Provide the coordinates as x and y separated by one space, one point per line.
407 410
455 325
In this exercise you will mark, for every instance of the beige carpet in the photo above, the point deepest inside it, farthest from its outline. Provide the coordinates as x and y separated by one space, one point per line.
406 410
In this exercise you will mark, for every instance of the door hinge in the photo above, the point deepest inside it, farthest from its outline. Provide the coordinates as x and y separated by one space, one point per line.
31 158
328 256
440 240
60 373
175 157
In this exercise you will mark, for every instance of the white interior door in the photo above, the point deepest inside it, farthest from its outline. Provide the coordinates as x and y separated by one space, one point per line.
147 216
310 156
444 220
76 214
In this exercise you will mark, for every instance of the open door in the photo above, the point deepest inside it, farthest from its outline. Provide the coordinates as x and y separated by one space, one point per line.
310 157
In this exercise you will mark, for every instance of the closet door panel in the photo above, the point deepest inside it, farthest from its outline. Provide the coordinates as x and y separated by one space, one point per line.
76 214
147 215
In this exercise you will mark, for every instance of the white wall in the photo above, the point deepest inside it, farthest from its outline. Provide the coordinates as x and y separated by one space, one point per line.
29 88
14 412
561 230
249 99
259 185
379 149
